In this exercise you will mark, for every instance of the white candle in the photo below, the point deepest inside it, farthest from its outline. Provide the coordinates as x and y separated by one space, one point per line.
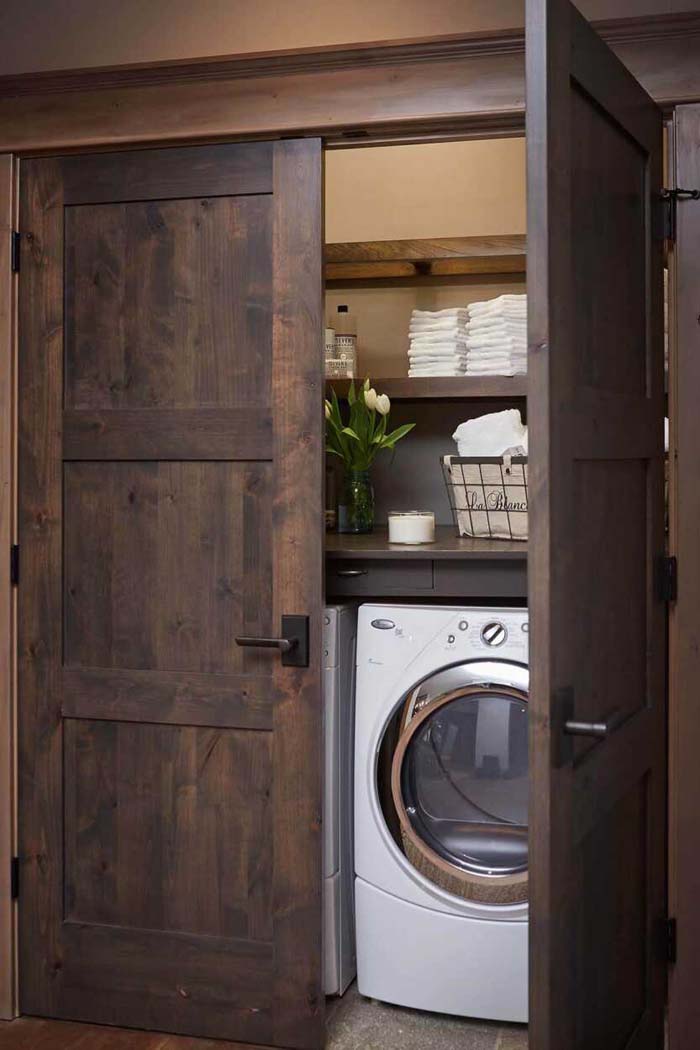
413 526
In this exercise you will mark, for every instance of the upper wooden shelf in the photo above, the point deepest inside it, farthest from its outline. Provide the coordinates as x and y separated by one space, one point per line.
444 256
443 388
447 547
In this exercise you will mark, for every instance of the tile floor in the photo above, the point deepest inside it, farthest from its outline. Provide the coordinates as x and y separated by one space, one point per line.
355 1023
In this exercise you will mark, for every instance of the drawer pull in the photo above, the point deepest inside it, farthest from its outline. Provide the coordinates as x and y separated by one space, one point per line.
351 572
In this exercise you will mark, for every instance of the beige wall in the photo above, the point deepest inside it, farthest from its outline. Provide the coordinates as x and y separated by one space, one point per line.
451 189
447 189
65 34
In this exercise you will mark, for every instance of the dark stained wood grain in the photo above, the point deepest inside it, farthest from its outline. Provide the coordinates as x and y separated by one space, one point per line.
29 1033
684 618
596 501
464 84
169 697
8 640
158 565
200 799
171 457
39 610
448 546
167 433
168 303
162 174
297 571
366 260
445 388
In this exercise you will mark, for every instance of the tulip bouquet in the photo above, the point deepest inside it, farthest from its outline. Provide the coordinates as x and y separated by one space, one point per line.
357 443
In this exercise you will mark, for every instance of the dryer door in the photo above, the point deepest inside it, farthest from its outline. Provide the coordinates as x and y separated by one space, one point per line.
460 786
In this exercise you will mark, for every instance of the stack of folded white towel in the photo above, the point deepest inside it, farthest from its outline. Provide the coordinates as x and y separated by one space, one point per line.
438 342
497 336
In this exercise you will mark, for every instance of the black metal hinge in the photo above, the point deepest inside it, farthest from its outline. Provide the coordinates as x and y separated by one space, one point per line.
14 564
671 940
15 243
669 202
14 878
667 579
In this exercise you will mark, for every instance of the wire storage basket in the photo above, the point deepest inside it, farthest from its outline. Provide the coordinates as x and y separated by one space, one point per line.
488 495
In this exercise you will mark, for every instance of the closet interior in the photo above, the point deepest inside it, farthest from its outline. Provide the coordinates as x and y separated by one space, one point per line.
427 227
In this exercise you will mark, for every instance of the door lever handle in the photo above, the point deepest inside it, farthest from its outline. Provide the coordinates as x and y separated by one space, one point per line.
283 644
293 645
600 730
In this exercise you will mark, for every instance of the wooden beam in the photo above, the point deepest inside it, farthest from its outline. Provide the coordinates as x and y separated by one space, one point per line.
452 86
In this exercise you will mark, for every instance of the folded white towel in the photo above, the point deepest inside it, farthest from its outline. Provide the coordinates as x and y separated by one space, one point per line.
450 311
507 300
491 434
438 337
504 346
434 373
436 349
498 359
494 307
510 368
440 362
497 324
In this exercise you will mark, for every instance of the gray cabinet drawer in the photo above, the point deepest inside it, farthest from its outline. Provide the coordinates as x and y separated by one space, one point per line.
355 576
477 578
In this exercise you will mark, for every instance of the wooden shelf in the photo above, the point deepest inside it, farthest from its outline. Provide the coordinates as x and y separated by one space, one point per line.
444 388
447 546
440 257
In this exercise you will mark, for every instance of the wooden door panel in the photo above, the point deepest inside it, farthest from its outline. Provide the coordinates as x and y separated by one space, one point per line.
165 563
603 157
168 303
597 623
148 808
171 499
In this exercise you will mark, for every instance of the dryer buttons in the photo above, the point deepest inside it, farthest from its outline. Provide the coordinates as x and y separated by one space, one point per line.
383 625
493 634
463 625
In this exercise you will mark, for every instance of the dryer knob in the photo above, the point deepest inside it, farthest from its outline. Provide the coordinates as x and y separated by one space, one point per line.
493 633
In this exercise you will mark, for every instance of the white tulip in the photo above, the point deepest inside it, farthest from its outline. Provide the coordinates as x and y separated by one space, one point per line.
371 398
383 404
327 405
366 384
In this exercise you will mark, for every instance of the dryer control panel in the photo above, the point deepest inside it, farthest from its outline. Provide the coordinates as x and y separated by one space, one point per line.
502 633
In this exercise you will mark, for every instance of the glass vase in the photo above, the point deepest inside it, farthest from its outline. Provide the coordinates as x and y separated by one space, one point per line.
356 503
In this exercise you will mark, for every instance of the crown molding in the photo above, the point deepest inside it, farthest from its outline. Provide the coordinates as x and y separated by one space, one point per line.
507 42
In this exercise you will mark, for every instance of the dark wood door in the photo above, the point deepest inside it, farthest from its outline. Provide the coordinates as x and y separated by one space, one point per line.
595 408
170 483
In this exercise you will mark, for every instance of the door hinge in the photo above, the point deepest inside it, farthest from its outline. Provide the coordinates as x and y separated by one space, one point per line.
15 244
667 579
669 204
14 564
14 878
671 940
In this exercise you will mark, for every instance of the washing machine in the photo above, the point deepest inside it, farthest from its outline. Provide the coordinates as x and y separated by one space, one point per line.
441 794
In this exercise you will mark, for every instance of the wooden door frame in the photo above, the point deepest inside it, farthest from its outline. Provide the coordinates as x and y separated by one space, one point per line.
684 620
446 87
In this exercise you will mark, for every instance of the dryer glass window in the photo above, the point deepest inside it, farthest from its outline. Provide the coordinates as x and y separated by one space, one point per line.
464 782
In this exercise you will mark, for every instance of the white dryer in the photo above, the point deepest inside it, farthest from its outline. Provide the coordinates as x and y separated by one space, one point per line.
441 780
